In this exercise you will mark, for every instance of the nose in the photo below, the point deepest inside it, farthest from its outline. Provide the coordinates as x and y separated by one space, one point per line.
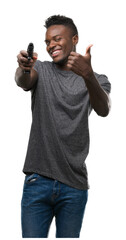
52 44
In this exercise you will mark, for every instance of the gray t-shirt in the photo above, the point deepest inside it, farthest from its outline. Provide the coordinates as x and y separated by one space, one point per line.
59 137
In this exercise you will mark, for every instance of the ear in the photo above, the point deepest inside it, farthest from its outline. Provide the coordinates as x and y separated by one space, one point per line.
75 39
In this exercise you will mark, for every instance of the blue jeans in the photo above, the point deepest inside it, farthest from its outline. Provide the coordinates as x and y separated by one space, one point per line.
43 198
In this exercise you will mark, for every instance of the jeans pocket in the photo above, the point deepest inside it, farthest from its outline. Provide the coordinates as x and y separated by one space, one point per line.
31 178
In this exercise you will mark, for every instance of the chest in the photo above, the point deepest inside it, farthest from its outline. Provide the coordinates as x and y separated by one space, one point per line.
66 88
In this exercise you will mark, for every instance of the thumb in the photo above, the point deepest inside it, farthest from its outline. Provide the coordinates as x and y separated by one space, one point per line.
88 49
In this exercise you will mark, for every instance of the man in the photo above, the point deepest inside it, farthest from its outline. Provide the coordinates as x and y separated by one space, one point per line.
64 92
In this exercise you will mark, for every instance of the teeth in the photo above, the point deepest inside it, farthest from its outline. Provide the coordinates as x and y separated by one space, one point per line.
55 52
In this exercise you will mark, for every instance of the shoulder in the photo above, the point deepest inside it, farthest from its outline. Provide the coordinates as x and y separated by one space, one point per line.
103 81
100 76
40 65
43 63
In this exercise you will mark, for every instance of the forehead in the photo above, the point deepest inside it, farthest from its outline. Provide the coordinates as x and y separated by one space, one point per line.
55 30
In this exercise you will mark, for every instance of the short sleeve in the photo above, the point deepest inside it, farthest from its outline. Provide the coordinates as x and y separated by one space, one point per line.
104 82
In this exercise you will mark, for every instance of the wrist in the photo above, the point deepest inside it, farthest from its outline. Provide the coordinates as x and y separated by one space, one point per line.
89 74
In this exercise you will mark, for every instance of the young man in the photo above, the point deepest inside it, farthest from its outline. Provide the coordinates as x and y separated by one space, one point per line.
64 92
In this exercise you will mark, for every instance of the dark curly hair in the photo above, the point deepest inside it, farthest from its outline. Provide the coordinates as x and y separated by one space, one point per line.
61 20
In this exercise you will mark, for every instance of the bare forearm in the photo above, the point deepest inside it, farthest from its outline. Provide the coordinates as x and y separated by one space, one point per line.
25 75
98 97
22 79
25 80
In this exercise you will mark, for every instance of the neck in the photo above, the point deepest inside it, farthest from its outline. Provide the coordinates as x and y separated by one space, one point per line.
63 67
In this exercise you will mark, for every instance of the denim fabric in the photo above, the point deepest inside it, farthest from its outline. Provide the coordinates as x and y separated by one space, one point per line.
43 198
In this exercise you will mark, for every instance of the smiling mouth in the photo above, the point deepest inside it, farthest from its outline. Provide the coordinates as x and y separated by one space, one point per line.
55 53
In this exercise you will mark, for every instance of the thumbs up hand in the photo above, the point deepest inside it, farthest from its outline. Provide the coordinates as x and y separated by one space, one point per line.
79 64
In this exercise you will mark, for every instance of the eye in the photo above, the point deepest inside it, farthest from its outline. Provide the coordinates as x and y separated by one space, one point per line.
58 39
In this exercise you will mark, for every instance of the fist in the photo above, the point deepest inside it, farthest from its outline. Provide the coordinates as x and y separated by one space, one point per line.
23 61
79 64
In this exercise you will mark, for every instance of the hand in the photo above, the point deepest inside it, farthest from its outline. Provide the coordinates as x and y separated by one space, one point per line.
79 64
24 63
